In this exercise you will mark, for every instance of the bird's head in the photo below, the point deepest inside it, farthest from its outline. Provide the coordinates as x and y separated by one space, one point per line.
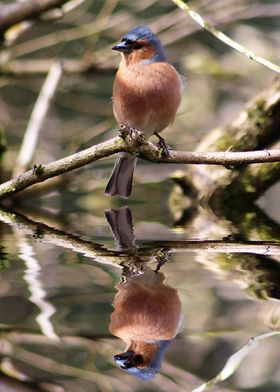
141 45
143 360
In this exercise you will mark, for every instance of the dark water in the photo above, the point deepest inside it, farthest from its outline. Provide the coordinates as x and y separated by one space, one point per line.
58 284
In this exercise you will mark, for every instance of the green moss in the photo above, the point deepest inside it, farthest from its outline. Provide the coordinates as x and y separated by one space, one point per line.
257 109
248 187
259 113
258 117
265 171
249 184
230 141
227 141
227 263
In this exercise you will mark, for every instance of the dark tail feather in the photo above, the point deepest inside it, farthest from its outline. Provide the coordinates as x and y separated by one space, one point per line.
120 182
120 221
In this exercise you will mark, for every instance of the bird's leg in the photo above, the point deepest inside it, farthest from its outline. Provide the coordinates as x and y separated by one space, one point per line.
164 148
123 131
135 267
161 258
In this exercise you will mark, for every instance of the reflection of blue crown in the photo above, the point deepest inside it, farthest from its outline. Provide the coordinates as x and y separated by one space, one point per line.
150 371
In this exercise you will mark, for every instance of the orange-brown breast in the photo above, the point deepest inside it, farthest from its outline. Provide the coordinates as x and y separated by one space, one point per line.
145 311
146 96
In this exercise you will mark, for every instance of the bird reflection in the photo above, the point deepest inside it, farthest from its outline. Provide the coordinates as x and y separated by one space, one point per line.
147 312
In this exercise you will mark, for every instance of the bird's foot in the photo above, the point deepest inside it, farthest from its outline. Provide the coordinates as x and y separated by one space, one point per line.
163 147
126 131
132 268
123 132
161 258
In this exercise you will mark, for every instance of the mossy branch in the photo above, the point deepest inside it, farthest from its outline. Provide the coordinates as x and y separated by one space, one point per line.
256 128
136 146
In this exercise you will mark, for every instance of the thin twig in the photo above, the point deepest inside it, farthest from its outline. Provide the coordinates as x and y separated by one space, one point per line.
13 33
15 12
73 34
181 30
105 14
224 38
11 350
37 118
67 35
145 150
71 5
80 65
234 360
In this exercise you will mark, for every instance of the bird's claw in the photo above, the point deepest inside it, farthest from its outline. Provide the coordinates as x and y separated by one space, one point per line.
123 131
163 148
126 131
131 269
161 258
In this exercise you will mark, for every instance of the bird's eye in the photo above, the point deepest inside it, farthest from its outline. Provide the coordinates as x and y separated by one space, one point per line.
127 41
137 359
138 45
127 365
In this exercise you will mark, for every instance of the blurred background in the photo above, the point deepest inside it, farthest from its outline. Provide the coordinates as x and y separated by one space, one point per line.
219 80
227 296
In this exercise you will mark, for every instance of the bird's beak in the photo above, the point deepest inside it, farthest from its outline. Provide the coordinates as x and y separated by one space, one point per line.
122 47
121 359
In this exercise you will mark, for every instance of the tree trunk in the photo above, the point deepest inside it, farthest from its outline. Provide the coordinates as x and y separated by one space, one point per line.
257 127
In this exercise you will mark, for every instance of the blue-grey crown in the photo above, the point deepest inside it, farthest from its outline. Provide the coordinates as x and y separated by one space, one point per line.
145 33
150 372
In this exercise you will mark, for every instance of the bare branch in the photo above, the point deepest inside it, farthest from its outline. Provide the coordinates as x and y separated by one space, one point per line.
143 149
38 115
13 13
42 66
74 33
11 65
235 360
